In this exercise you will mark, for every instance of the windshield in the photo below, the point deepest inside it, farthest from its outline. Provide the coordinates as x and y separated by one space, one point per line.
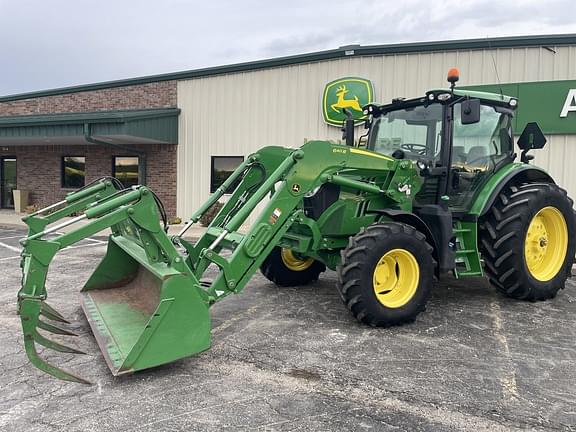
410 132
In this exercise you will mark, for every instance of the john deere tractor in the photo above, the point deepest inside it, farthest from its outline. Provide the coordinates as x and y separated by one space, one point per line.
433 189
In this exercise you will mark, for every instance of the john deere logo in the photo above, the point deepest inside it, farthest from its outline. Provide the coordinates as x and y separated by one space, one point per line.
350 93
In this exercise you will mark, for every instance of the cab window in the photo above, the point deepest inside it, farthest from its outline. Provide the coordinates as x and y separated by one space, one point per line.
410 132
478 149
483 144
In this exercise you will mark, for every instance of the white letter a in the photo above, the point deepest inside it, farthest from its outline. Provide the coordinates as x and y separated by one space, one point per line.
569 104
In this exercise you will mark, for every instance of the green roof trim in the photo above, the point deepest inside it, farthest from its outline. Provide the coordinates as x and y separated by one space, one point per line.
117 116
345 51
91 117
154 126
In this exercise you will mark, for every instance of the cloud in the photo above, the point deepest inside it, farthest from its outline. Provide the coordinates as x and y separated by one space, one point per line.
55 43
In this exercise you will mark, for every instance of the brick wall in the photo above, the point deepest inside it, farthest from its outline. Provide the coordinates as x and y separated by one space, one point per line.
39 167
153 95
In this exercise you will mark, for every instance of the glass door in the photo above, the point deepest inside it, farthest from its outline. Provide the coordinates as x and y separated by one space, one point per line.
7 181
478 150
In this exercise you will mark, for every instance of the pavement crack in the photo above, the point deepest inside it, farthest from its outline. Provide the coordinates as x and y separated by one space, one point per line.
508 380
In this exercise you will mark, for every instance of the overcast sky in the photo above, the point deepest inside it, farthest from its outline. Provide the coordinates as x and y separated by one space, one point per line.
55 43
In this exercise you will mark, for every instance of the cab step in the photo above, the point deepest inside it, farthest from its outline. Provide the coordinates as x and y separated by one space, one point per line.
468 262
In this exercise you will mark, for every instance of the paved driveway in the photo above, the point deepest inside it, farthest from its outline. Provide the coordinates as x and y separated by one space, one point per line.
294 359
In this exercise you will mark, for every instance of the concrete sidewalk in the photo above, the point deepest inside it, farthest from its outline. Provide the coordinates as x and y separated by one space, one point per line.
9 218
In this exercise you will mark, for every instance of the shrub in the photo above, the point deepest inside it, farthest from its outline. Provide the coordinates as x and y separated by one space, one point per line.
174 221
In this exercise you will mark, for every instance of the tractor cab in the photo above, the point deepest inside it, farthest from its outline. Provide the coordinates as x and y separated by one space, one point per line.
458 139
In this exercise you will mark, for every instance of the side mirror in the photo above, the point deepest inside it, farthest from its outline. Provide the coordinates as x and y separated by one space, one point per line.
531 138
470 111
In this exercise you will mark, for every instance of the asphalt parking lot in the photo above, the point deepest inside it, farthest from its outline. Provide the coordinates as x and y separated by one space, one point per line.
294 359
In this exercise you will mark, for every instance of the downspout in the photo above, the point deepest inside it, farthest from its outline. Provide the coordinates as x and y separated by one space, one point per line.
141 154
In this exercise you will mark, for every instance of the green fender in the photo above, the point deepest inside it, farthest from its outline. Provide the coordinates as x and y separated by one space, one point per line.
512 173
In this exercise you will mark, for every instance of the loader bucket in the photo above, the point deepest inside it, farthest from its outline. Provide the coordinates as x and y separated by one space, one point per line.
143 313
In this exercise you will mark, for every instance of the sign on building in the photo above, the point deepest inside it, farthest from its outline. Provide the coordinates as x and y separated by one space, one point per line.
350 93
552 104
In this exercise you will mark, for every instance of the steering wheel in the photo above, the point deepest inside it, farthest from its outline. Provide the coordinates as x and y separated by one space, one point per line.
414 148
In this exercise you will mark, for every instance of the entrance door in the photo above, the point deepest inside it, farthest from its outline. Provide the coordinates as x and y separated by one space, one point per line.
7 181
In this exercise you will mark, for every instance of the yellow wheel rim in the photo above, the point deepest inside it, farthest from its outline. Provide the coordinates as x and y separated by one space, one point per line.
293 263
546 244
396 278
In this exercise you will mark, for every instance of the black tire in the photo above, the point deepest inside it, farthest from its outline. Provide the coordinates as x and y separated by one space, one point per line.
503 233
275 270
356 273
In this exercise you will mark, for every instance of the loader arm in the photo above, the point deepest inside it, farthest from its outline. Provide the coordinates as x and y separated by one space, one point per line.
287 176
147 301
74 202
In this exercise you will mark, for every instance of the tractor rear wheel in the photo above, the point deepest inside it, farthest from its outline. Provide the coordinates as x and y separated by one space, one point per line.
528 241
286 268
386 275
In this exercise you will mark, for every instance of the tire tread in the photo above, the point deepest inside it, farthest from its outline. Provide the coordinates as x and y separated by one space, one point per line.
501 240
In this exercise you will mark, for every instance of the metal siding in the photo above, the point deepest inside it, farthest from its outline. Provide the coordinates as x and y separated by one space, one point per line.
40 131
557 158
235 114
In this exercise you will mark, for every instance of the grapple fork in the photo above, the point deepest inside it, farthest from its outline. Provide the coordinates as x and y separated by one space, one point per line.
51 313
31 305
30 309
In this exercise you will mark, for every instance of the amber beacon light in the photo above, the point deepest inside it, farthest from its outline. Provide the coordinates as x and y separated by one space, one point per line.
453 76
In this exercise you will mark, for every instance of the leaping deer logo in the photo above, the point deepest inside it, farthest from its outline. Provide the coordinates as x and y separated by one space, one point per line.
345 103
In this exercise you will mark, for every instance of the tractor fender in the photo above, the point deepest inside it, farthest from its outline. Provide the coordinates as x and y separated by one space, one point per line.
516 174
414 221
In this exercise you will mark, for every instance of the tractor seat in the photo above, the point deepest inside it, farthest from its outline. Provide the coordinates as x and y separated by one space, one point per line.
459 154
477 156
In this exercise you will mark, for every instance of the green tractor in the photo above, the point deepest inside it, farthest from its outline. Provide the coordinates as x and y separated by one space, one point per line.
433 189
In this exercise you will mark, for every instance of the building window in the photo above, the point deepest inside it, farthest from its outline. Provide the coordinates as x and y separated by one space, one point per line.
222 168
73 171
125 169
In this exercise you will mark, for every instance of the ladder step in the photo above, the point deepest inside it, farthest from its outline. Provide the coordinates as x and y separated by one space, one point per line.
460 230
468 273
465 251
467 256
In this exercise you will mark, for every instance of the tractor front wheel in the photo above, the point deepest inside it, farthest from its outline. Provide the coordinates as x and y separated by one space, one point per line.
286 268
386 275
528 241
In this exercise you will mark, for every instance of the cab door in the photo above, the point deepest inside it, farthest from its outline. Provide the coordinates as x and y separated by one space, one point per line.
478 150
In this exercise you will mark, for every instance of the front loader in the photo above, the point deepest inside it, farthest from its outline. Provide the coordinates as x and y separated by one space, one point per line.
434 189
